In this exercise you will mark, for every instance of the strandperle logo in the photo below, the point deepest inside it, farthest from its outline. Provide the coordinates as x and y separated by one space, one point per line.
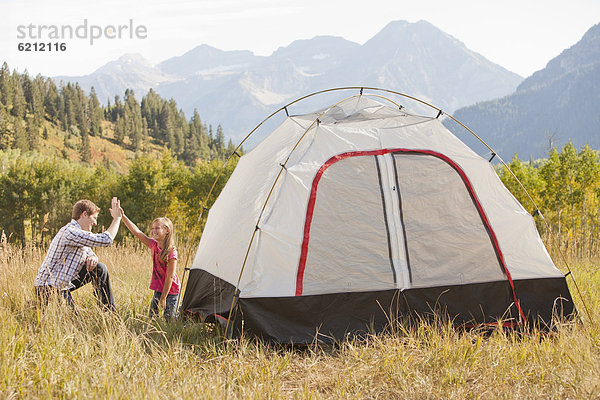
87 31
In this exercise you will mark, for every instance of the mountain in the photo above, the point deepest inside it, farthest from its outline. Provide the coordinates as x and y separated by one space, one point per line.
130 71
423 61
238 89
207 60
554 105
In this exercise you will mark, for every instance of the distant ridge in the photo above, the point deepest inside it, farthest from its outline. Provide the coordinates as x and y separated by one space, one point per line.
554 105
237 89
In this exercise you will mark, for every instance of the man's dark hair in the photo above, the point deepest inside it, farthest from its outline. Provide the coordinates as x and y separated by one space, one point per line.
84 205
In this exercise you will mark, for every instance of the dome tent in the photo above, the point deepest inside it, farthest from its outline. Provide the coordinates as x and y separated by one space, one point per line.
345 219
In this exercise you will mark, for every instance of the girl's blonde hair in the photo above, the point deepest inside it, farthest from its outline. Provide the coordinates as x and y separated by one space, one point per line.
169 243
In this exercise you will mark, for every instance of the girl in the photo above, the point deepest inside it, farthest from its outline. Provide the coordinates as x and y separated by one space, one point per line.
165 281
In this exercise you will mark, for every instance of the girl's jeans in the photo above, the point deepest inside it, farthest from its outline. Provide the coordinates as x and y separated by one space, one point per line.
170 305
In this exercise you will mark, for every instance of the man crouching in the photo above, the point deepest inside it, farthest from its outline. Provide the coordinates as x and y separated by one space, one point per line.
70 262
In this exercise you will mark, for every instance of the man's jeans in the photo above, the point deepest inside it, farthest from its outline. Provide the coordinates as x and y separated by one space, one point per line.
99 278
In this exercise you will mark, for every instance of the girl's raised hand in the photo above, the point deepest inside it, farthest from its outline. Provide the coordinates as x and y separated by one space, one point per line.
115 208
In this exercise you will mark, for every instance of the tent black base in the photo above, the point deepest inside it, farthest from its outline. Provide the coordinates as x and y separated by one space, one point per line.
333 317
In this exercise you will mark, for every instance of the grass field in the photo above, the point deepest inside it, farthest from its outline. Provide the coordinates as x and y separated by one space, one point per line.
53 353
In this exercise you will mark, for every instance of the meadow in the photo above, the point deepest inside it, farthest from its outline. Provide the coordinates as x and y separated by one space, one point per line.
54 353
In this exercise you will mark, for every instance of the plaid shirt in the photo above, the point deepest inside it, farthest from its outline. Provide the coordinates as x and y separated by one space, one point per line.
68 253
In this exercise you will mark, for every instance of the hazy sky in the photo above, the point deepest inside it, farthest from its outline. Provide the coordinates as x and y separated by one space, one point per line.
520 35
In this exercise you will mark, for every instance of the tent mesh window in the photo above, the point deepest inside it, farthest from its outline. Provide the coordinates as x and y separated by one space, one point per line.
434 235
349 208
447 241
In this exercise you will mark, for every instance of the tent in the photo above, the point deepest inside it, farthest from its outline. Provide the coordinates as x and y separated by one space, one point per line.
346 219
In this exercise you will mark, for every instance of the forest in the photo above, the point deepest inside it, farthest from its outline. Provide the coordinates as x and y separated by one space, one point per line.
563 195
177 160
31 107
37 193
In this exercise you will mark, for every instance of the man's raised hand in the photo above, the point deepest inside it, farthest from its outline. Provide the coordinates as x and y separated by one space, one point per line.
115 212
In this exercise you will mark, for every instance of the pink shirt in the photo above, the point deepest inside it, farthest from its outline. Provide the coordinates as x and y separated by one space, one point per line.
159 270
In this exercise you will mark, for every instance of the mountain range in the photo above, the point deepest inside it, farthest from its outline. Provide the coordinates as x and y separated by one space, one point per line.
554 105
238 89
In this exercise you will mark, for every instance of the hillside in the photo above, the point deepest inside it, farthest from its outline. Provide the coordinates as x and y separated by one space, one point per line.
37 115
104 150
549 108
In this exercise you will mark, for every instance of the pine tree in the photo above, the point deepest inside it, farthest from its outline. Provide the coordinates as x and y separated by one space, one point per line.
70 106
220 142
199 131
117 110
81 109
61 112
20 136
133 115
151 107
230 148
51 99
6 87
85 151
191 151
7 136
32 132
19 103
181 128
120 130
96 114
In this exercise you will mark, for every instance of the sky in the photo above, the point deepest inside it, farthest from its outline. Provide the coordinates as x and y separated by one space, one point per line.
520 35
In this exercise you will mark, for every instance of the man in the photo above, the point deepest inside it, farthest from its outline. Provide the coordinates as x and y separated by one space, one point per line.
70 262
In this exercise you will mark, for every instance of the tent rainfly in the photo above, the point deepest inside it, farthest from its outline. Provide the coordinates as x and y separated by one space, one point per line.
343 220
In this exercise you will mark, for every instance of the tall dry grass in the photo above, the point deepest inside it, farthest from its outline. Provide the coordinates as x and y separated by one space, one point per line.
54 353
